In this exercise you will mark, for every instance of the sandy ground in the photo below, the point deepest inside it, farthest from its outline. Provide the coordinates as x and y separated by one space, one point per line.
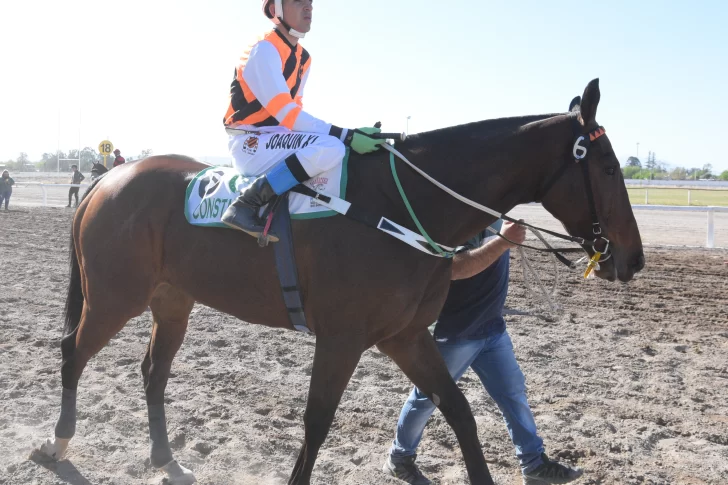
628 381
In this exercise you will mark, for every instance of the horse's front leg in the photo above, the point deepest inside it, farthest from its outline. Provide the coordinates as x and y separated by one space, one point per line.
334 361
417 355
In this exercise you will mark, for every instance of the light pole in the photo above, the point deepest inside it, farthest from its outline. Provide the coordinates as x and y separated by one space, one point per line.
407 130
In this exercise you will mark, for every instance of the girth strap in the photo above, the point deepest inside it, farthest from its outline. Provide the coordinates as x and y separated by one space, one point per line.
286 266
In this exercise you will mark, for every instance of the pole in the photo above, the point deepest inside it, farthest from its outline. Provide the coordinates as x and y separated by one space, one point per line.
638 150
58 146
79 140
407 130
710 242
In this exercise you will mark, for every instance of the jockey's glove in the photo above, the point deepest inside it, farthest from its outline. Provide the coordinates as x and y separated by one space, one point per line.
359 139
361 143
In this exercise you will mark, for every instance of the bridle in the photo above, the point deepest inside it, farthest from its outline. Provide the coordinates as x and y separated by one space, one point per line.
580 153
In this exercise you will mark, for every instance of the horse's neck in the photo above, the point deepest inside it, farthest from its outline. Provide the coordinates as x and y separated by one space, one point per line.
499 172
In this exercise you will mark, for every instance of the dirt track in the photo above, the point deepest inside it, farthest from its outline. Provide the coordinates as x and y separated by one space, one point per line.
628 381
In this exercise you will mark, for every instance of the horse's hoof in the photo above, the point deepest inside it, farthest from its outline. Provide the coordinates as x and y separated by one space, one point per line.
54 449
177 474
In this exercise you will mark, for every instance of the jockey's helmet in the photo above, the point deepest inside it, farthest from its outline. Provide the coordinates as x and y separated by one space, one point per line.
278 17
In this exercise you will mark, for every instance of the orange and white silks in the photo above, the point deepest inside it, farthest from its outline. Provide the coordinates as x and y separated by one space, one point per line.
267 89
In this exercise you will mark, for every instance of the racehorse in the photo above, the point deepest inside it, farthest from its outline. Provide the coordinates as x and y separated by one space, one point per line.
360 287
97 170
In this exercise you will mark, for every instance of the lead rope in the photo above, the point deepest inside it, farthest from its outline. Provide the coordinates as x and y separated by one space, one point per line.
533 282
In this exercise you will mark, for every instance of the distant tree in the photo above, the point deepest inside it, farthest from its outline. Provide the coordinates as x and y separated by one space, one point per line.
707 170
651 163
679 173
88 157
723 175
49 161
21 164
634 162
631 172
146 153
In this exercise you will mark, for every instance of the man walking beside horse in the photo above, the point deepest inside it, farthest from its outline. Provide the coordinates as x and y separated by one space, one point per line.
471 332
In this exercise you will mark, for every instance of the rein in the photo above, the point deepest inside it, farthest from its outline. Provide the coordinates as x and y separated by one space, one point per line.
580 151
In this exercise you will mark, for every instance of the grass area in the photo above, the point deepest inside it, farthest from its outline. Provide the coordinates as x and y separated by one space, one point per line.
660 196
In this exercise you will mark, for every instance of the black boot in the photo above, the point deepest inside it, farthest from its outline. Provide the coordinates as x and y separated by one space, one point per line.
243 213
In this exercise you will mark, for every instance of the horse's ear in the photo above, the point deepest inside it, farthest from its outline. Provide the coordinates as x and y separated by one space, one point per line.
575 104
590 100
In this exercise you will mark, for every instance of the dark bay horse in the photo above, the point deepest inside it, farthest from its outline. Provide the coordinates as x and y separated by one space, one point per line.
98 170
360 287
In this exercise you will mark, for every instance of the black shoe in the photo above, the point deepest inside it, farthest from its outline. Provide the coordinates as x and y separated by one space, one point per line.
243 213
551 472
406 470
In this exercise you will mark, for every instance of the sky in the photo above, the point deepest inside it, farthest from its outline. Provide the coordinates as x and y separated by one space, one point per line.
156 73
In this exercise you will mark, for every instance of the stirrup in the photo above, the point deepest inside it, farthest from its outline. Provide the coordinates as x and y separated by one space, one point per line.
263 240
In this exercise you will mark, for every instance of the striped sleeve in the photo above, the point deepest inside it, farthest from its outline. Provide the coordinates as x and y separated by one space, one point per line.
299 95
263 75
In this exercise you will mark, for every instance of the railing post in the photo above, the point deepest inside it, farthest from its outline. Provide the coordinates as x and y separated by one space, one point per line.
710 242
689 199
45 195
647 199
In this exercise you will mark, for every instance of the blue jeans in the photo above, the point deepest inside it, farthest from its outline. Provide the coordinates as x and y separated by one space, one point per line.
494 362
6 197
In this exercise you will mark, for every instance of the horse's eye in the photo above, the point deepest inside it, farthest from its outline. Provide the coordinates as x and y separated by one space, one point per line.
609 170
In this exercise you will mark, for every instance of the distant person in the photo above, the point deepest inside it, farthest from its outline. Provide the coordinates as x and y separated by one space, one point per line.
119 160
76 178
6 188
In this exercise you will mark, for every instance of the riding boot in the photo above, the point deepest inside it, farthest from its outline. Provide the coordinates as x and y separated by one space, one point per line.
243 213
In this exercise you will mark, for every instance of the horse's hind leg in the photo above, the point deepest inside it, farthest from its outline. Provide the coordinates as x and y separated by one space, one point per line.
333 364
170 309
92 334
419 359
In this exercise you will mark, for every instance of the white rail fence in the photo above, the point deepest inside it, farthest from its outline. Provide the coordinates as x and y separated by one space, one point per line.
44 188
709 210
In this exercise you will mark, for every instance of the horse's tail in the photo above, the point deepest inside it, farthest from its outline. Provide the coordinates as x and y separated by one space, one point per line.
74 298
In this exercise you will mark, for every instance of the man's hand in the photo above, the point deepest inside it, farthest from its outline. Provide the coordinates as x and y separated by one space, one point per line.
513 232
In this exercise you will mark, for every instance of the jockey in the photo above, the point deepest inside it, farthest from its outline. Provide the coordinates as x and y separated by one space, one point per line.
271 137
118 160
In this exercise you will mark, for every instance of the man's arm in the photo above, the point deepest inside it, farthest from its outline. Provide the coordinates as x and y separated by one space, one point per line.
473 261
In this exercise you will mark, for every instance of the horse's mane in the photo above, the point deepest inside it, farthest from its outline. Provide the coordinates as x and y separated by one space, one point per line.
484 130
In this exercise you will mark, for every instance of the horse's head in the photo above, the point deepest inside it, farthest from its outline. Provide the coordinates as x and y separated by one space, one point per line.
608 217
98 168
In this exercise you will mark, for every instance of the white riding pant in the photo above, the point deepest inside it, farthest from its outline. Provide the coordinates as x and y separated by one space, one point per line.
255 153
